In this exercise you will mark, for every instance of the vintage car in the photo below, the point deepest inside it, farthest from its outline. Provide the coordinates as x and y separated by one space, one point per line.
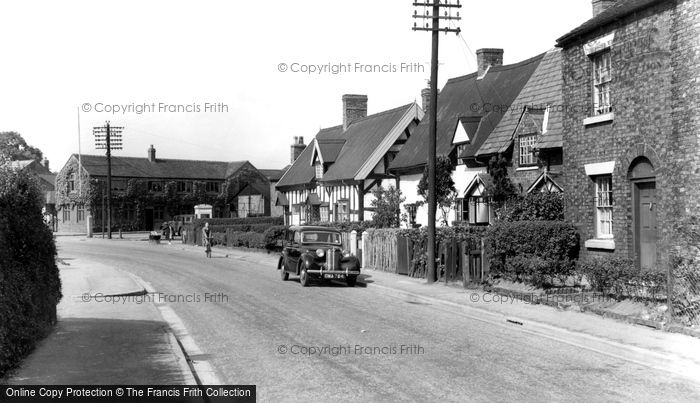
316 253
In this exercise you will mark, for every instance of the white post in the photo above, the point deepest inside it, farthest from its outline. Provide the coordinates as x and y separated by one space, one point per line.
364 251
353 242
89 225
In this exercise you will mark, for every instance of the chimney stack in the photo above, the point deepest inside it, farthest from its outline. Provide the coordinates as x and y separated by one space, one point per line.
45 163
354 107
151 154
488 57
425 95
297 147
601 5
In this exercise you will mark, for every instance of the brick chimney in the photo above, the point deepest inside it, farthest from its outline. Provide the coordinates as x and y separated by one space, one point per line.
488 57
354 107
45 163
297 147
425 95
151 154
601 5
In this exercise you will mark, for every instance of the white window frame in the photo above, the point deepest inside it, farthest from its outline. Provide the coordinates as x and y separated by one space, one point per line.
602 79
527 153
604 203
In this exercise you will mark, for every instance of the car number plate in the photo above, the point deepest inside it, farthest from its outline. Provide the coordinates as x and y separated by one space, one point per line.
334 276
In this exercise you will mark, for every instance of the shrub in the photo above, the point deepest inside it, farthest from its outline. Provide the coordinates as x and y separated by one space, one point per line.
246 239
533 251
534 206
30 286
619 277
359 226
272 235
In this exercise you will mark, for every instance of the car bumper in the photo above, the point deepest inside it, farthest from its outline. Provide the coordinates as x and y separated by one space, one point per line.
347 272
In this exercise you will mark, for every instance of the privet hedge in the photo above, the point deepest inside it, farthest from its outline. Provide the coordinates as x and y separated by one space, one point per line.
533 251
30 286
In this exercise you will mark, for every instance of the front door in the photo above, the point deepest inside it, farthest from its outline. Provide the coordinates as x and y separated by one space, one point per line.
645 231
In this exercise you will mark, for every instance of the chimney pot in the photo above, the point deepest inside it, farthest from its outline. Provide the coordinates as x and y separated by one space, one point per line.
354 107
601 5
297 147
45 163
488 57
425 95
151 154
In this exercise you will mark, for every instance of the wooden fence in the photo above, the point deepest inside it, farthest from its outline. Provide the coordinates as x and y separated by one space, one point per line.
386 250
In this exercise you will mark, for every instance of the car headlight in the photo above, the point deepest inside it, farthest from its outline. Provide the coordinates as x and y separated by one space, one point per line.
346 253
320 252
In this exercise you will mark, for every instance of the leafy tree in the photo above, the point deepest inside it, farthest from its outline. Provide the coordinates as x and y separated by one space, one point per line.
445 190
14 147
503 187
387 206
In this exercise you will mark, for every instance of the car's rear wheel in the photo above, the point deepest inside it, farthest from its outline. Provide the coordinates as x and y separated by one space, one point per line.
303 276
283 272
351 280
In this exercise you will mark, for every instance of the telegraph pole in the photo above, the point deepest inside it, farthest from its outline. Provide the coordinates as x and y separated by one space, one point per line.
108 138
435 29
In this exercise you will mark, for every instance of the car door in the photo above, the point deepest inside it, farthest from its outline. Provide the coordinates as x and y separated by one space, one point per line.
291 250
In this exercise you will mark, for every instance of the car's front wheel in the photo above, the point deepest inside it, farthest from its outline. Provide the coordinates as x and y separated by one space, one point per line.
280 266
303 277
351 280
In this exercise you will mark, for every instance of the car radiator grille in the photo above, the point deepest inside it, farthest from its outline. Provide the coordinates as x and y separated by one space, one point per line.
333 259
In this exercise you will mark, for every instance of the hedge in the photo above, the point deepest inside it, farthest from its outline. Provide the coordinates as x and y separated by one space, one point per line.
30 286
533 251
534 206
619 277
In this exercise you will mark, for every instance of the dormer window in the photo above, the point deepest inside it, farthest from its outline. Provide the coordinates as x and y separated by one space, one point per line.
319 170
527 152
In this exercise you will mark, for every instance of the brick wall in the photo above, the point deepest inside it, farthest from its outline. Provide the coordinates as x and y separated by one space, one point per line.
655 100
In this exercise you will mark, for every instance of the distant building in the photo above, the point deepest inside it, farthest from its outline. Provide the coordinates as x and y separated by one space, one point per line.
148 191
631 129
274 175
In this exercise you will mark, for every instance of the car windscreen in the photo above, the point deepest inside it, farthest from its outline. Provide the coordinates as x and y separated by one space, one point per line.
320 237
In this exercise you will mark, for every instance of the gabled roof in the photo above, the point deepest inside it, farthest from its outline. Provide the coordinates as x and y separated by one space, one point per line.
134 167
327 149
360 147
544 88
616 11
462 96
468 126
545 183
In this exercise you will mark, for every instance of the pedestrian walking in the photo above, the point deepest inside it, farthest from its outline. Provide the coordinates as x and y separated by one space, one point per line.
206 238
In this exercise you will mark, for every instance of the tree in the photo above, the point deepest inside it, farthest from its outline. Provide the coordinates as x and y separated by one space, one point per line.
387 206
14 148
503 187
445 190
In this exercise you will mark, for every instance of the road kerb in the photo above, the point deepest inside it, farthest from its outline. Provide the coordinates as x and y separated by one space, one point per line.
202 371
637 355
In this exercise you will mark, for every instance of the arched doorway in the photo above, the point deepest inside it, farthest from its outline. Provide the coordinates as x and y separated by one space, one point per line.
643 178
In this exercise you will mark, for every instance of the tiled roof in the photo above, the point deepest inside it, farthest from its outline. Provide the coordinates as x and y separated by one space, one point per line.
273 175
330 148
542 89
133 167
361 138
616 11
465 96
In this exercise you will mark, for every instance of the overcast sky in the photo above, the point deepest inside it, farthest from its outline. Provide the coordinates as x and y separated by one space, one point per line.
59 57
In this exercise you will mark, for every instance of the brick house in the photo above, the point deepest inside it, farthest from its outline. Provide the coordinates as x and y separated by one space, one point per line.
630 132
332 179
470 107
191 182
46 180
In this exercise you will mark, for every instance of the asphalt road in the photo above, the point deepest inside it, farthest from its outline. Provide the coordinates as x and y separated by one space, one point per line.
334 343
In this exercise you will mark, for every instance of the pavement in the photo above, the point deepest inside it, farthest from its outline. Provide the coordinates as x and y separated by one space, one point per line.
98 341
105 343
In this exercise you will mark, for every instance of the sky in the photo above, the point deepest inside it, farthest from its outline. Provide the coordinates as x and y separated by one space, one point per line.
234 80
